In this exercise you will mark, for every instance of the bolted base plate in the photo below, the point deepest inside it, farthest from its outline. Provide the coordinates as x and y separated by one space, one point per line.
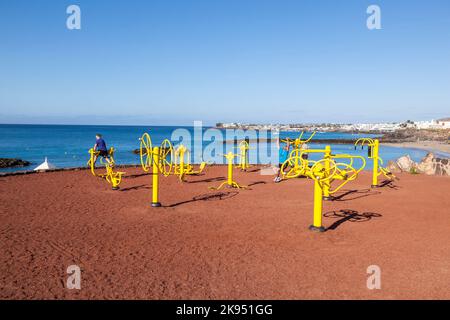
316 229
115 188
156 204
374 186
327 198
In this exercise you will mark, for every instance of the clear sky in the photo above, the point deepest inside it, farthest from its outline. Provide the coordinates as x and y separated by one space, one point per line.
172 62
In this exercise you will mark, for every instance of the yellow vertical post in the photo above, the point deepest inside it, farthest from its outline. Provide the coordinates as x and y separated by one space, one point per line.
242 157
375 155
246 166
182 150
114 179
230 168
155 185
318 194
326 184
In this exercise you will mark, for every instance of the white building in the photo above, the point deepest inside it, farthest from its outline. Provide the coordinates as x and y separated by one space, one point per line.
426 124
443 123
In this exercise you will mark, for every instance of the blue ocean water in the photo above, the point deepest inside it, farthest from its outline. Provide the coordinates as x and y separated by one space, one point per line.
67 145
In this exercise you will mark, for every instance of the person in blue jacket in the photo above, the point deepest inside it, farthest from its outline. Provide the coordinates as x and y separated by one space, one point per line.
283 154
100 147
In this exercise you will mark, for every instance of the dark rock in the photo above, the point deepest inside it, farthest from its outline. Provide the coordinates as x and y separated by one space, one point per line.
10 163
138 151
413 135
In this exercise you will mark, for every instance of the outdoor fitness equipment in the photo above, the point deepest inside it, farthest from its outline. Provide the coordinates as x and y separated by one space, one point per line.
301 167
324 172
298 147
145 152
298 143
159 158
373 153
243 155
182 163
112 177
91 163
230 183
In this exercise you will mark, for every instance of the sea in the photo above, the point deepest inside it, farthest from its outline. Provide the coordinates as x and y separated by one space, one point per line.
67 146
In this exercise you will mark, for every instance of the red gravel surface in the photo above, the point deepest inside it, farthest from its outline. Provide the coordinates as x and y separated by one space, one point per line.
227 244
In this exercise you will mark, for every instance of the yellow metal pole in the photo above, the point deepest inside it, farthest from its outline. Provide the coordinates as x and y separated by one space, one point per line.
242 157
318 193
296 165
375 156
114 180
246 166
91 162
155 186
326 184
297 152
230 168
182 149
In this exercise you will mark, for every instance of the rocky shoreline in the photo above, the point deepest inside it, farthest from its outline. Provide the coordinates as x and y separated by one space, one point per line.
429 165
414 135
13 163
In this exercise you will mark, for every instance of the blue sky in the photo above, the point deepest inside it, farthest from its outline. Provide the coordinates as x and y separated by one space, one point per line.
172 62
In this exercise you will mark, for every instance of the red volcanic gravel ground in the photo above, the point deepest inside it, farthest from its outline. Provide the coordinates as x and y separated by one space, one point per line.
228 244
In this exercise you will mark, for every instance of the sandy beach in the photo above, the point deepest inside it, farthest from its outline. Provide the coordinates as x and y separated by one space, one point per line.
431 146
228 244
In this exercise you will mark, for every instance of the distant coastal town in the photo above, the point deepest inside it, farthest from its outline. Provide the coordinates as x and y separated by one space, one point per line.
440 124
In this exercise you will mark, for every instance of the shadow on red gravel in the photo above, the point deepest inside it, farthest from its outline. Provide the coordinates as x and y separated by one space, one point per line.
350 216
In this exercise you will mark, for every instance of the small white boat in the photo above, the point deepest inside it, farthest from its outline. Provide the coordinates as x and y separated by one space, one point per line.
45 166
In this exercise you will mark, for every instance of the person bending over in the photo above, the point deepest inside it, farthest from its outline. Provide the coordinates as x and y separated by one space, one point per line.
283 154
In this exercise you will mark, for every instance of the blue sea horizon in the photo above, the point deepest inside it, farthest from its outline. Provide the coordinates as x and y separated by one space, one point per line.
67 145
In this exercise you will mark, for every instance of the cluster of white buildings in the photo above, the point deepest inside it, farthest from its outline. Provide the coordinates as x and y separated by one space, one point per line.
371 127
385 127
433 124
366 127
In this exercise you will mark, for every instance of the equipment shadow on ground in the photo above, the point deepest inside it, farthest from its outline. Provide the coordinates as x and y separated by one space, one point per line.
253 170
137 175
389 184
345 215
256 183
348 195
207 180
141 186
206 197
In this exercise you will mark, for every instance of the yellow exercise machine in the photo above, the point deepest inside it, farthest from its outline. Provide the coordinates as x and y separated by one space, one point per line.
298 143
373 153
296 162
243 155
94 154
112 177
182 163
299 166
157 158
324 172
298 148
230 183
